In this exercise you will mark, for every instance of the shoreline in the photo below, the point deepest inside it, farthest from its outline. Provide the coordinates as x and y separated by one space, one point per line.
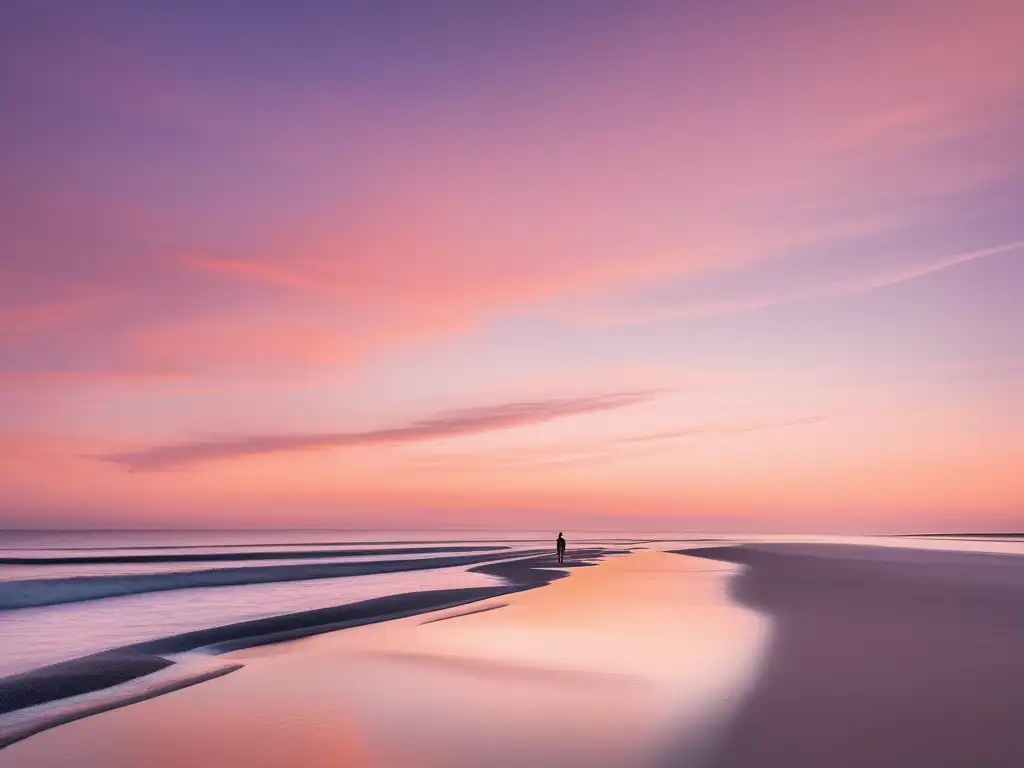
824 654
93 674
597 669
40 593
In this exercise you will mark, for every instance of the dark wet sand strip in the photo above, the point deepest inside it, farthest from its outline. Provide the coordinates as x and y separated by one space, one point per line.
22 728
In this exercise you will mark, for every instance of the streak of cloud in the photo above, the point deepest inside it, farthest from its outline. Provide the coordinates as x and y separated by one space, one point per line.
446 424
753 303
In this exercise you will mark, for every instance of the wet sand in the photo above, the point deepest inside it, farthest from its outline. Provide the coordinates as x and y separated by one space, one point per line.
881 657
58 693
776 656
603 668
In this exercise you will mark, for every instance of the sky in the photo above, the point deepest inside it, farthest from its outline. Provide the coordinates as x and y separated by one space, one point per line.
538 264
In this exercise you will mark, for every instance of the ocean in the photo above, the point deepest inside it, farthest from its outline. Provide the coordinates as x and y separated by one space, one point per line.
91 620
66 594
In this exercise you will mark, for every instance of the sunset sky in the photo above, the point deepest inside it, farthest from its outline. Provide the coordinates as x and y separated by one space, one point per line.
753 265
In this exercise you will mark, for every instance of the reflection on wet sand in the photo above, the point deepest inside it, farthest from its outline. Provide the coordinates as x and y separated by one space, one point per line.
601 668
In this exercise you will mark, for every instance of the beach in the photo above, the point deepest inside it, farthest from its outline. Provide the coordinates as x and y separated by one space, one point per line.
798 654
881 657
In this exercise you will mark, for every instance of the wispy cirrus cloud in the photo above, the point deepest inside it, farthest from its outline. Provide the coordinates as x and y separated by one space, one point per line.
739 304
455 423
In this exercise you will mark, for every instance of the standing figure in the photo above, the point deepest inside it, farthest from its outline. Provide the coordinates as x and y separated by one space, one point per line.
560 547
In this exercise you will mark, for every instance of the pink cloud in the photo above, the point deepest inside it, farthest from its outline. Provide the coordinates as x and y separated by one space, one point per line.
424 270
337 300
489 215
751 303
221 345
455 423
50 381
23 322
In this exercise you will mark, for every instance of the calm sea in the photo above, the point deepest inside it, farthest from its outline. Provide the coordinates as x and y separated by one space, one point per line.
65 594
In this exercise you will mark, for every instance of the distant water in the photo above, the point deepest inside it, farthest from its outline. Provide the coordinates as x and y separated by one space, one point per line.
168 599
35 636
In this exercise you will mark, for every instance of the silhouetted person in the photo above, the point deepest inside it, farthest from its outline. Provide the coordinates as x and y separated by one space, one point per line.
560 547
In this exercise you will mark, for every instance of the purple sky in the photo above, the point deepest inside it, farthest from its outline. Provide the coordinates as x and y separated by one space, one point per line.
753 265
